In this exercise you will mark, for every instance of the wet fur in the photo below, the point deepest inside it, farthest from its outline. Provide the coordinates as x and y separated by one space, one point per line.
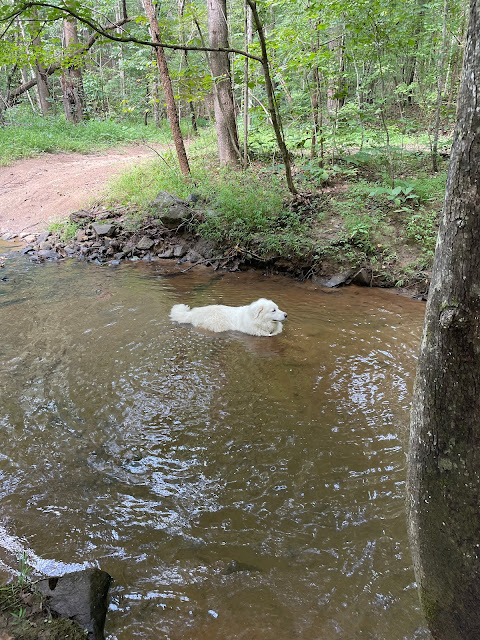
260 318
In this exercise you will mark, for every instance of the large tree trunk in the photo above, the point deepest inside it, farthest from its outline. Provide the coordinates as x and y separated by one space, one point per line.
223 103
167 90
443 485
71 80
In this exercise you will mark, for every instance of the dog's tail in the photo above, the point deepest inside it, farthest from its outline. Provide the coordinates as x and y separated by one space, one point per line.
180 313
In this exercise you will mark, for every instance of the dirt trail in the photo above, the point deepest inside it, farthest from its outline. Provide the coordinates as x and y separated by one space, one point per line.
37 190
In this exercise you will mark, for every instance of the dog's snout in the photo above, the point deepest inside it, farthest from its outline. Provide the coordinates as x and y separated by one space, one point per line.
285 314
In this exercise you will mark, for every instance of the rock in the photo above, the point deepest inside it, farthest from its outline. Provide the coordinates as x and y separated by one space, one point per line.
81 237
28 249
206 248
334 281
192 198
80 596
43 237
179 251
363 278
48 254
172 210
102 229
45 246
166 253
145 243
81 216
113 263
7 236
193 256
30 238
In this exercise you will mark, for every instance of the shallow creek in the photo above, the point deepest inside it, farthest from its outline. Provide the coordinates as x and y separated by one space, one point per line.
234 487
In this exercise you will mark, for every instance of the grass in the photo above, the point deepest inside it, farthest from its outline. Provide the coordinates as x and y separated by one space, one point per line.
27 136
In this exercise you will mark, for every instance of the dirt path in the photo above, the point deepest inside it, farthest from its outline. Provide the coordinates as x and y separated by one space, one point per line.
37 190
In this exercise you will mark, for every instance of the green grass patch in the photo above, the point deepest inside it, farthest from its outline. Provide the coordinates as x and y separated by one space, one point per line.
24 137
66 229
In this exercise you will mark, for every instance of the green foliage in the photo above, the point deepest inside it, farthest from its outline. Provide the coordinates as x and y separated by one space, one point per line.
31 135
403 192
421 227
66 229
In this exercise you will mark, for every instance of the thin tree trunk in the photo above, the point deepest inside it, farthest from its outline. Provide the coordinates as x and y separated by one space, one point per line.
40 72
246 79
223 102
167 90
275 116
441 69
443 482
43 94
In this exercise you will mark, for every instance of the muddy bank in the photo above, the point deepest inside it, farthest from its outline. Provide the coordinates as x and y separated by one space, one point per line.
108 236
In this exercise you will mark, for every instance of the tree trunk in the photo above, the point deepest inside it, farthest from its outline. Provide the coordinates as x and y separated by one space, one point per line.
440 79
443 484
43 91
246 79
39 70
167 90
223 102
71 80
181 9
274 115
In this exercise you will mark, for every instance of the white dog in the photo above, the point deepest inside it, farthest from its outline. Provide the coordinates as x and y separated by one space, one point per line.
260 318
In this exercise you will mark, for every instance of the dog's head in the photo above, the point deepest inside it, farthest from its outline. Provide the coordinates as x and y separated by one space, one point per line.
266 312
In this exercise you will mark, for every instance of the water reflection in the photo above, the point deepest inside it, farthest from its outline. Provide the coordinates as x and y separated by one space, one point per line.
235 487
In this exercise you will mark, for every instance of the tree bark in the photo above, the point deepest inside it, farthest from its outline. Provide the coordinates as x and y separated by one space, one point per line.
440 81
274 115
443 483
223 102
71 80
172 112
43 91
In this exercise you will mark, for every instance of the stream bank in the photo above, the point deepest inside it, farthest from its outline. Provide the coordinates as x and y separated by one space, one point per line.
107 236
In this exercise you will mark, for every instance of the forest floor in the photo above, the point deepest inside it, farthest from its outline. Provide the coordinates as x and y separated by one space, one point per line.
37 190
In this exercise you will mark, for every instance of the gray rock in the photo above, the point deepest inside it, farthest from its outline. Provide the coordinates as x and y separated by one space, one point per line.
206 248
80 216
145 243
193 198
43 237
45 246
334 281
81 596
171 210
48 254
102 229
179 250
29 238
166 253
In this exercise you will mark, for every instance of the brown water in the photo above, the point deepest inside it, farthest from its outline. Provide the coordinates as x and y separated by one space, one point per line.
234 487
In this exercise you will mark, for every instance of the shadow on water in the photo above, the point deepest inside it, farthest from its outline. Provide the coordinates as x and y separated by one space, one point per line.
235 487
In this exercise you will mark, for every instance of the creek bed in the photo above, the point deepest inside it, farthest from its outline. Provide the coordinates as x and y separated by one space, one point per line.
234 487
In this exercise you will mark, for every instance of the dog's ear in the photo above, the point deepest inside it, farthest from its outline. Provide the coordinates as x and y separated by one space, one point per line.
258 310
